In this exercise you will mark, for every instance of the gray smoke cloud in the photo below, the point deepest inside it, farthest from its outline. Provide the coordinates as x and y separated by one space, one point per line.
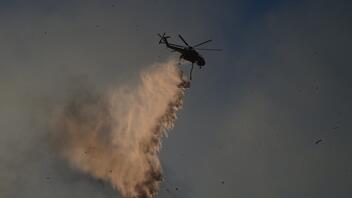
116 136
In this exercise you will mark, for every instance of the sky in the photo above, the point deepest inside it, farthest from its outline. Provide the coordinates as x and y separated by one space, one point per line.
250 120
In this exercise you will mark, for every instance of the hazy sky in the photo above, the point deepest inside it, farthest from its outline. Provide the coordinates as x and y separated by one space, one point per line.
250 120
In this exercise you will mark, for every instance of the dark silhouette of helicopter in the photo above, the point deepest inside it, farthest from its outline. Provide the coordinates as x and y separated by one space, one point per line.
188 52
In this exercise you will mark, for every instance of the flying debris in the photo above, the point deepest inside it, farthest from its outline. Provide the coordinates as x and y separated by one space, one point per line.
188 52
336 127
318 141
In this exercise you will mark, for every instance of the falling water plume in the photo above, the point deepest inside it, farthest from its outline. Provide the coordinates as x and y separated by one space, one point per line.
116 136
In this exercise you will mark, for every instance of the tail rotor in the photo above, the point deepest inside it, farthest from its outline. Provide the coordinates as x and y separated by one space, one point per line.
163 38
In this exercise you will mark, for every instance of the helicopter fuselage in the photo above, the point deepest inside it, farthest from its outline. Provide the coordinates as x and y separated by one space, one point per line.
192 56
188 54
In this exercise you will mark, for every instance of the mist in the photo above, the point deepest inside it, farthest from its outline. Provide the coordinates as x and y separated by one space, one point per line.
116 136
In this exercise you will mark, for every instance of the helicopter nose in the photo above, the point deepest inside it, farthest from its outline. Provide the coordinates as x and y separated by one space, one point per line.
201 62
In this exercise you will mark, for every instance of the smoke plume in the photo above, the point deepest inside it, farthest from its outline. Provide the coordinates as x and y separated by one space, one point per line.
116 136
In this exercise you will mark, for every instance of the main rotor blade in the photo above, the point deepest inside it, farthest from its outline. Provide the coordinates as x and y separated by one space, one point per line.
161 35
171 44
209 49
202 43
183 40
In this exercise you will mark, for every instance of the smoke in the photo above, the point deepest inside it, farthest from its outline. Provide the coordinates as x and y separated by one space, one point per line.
116 136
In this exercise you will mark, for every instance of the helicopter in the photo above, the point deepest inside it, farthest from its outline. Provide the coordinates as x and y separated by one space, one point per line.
188 52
